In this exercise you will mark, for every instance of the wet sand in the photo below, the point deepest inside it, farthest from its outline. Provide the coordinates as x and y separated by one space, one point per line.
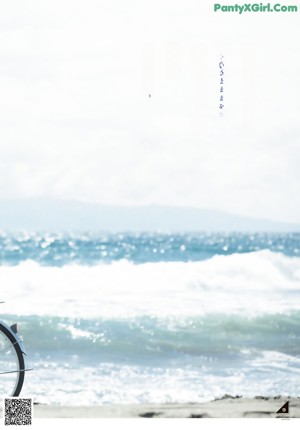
226 407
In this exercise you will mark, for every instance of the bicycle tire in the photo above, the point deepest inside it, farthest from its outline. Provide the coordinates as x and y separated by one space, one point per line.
20 364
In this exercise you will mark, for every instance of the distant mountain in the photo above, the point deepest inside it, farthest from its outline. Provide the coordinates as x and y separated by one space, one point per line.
45 214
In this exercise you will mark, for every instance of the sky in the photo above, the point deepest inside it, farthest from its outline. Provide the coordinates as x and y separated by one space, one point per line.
117 102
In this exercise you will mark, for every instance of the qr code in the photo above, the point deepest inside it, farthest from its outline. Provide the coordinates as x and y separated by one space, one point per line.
17 412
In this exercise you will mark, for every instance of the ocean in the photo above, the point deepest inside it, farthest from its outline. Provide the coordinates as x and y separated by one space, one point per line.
152 317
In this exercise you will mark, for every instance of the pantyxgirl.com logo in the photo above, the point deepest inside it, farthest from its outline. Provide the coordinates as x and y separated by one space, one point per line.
255 7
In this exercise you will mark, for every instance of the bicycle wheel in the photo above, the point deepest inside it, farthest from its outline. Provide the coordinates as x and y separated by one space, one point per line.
11 365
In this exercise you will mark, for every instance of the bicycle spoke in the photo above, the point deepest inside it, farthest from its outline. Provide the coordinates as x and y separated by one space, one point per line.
8 347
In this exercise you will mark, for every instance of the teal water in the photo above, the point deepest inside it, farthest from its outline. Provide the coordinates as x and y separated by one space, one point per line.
150 317
59 249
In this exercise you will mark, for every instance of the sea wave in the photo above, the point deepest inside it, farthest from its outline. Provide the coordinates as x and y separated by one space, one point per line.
250 284
165 331
156 339
160 360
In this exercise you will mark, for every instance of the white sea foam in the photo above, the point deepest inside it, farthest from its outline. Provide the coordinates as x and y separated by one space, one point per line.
249 284
126 384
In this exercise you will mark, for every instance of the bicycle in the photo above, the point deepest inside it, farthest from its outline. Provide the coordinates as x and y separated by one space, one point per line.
12 363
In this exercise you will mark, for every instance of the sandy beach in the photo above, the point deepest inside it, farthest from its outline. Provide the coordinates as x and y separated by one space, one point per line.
226 407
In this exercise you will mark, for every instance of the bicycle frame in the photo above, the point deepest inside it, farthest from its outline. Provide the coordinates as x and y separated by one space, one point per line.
13 330
12 360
